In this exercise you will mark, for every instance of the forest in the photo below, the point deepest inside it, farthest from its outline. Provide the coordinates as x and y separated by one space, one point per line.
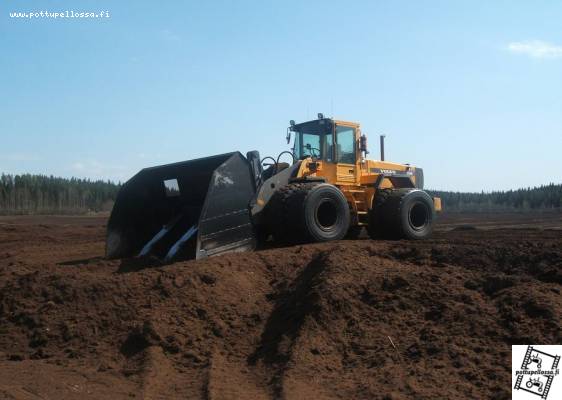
40 194
544 197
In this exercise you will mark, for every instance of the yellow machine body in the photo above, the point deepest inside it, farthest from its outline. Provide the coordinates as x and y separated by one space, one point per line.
357 181
228 202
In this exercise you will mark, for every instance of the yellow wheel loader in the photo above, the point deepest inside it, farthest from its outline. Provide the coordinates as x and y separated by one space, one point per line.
228 202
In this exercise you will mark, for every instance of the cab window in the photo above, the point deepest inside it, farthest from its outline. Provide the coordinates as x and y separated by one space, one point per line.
345 144
307 145
329 147
314 139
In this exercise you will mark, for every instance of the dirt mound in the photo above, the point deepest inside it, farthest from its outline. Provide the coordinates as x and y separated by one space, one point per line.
352 319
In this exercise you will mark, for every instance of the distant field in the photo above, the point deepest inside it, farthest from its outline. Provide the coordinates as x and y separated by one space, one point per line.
445 221
539 220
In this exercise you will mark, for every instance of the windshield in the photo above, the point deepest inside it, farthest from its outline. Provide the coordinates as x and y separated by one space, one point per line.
314 139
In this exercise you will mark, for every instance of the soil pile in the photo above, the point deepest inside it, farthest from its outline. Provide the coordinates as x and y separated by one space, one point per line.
352 319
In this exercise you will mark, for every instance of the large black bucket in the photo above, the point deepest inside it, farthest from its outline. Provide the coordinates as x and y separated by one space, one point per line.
189 209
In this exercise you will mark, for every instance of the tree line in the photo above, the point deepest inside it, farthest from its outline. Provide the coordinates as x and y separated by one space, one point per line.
545 197
40 194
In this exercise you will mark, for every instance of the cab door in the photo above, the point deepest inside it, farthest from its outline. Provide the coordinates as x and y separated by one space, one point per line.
346 154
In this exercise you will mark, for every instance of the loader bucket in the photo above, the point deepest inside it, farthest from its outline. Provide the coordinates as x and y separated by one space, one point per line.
190 209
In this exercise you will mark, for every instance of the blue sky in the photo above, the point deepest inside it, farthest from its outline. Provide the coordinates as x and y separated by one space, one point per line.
469 90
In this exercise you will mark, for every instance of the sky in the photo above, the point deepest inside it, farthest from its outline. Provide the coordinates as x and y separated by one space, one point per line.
471 91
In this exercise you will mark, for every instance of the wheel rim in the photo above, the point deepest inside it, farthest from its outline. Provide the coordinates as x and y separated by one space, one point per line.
418 216
326 215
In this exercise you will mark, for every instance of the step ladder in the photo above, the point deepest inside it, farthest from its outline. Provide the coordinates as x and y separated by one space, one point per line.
361 206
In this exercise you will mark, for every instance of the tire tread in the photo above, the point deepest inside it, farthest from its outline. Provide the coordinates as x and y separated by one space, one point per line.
284 220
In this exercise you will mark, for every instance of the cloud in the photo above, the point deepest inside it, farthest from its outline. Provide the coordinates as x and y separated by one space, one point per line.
78 166
535 49
96 170
170 36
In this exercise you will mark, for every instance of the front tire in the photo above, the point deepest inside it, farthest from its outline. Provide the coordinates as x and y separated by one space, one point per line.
309 212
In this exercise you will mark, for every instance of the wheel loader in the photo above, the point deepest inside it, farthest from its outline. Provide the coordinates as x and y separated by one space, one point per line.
328 190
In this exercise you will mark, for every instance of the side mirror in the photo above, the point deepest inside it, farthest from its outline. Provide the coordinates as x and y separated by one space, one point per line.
288 135
363 145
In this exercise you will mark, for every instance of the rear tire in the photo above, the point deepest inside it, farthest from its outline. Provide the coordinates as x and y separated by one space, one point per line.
308 212
401 214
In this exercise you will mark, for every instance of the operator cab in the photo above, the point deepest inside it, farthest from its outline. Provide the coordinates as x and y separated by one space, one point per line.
316 139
